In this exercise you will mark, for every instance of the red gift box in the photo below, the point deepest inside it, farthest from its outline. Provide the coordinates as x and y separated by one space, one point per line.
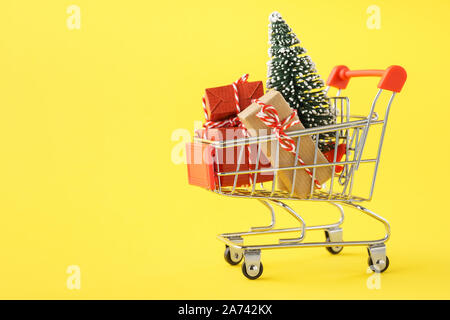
228 158
341 149
220 101
221 108
200 165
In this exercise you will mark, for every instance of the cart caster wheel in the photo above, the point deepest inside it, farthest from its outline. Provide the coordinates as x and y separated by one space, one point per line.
337 234
379 267
334 250
232 258
254 269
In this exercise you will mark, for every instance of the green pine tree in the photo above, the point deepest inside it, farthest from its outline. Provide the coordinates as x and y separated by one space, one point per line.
293 74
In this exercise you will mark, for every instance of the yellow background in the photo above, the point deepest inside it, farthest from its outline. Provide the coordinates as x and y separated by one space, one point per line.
86 124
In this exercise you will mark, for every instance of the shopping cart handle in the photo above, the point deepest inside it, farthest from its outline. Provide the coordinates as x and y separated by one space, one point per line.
392 79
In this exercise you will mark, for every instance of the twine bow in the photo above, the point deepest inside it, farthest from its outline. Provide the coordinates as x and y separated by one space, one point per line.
269 116
232 122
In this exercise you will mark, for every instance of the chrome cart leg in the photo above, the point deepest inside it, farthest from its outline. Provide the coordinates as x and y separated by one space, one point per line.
232 254
376 217
378 260
272 223
297 217
341 211
252 267
225 237
334 235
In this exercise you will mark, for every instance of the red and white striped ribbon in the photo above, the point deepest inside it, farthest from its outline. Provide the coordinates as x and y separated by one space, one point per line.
232 122
242 79
269 116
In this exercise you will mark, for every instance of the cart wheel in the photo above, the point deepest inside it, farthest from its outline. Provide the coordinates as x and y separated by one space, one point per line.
332 250
232 259
252 277
376 268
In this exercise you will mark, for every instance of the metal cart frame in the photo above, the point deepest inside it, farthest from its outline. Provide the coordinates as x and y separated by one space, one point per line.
339 191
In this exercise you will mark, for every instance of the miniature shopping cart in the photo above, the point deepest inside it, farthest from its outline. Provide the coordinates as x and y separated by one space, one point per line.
350 131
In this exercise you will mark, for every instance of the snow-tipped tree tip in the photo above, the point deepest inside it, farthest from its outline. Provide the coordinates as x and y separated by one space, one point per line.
275 16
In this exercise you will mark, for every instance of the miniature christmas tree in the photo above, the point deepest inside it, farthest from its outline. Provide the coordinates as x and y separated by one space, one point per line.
293 74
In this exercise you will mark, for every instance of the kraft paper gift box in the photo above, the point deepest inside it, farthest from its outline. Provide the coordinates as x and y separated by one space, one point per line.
256 127
220 102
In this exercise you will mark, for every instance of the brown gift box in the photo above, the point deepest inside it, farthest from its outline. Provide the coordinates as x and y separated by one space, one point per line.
256 127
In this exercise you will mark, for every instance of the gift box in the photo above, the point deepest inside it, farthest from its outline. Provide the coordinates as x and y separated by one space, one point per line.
263 163
257 127
229 158
220 102
329 155
200 165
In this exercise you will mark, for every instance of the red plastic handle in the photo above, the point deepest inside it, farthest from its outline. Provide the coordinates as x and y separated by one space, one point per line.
392 79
